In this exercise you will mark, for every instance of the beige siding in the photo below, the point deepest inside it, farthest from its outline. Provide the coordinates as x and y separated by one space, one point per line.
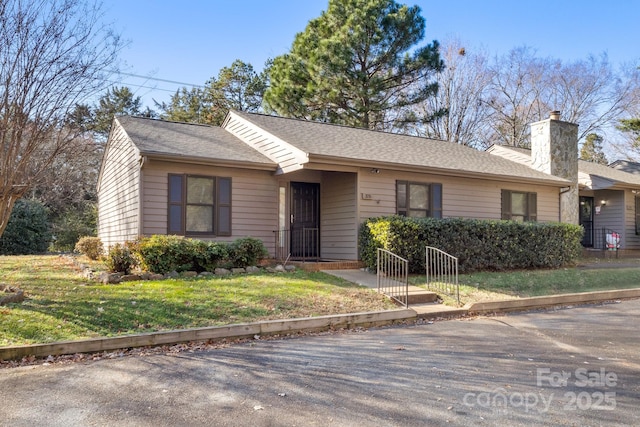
118 191
339 225
611 216
461 197
631 241
254 203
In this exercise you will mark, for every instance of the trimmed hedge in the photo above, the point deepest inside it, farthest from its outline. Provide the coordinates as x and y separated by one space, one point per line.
163 254
478 244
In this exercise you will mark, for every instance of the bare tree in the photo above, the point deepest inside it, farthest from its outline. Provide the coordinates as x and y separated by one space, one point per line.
525 88
462 94
516 96
53 55
591 93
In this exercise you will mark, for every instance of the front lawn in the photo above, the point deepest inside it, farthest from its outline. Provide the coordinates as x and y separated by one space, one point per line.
601 275
62 305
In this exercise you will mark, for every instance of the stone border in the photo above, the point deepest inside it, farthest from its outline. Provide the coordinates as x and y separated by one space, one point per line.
243 330
522 304
315 324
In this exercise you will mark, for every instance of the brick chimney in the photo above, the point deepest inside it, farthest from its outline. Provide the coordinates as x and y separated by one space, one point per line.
554 150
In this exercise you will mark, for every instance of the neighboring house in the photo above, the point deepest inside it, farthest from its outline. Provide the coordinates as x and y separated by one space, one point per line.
609 197
304 188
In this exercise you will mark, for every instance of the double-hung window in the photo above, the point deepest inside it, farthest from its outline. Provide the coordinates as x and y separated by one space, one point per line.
418 199
199 205
519 206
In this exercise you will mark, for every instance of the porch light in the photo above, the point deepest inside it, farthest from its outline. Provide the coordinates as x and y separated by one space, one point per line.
374 170
603 203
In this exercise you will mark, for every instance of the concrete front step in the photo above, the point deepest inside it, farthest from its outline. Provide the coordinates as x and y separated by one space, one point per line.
421 296
437 311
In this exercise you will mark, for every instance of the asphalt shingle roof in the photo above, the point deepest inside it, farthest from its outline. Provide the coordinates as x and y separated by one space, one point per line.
609 173
595 169
323 139
175 139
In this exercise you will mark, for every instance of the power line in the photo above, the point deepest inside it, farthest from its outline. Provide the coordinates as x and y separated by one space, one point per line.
144 87
159 80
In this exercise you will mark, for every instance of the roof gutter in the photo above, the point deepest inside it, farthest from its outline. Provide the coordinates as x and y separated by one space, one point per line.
208 162
552 181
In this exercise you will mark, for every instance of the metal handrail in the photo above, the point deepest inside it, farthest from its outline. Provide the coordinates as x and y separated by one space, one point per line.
393 276
442 272
308 243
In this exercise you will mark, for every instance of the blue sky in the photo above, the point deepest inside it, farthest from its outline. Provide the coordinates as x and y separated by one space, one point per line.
190 41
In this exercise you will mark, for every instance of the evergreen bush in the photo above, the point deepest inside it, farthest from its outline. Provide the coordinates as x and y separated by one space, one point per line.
246 251
478 244
120 259
28 230
163 254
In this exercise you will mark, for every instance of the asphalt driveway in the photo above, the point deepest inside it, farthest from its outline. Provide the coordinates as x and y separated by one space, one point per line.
576 366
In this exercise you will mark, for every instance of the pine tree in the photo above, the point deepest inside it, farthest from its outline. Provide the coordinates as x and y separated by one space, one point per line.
357 64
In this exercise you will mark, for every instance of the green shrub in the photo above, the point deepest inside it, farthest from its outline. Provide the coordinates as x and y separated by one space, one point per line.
163 254
71 225
90 246
207 256
478 244
28 230
246 251
120 259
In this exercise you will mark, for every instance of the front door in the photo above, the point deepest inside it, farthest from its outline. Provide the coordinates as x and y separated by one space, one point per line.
586 220
305 220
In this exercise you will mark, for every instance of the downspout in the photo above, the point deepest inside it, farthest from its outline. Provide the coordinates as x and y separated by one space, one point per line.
142 161
562 191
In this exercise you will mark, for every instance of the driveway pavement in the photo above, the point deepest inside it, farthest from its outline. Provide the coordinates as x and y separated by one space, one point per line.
575 367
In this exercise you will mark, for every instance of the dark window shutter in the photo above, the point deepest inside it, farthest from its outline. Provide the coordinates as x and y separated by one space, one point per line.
436 200
506 204
532 207
175 214
223 204
401 198
637 215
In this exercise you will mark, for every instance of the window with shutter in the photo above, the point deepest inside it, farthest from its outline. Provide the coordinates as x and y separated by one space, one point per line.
199 205
417 199
519 206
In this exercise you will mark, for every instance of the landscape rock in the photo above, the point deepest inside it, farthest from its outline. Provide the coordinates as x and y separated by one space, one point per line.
155 276
222 272
252 269
10 294
279 268
130 278
238 270
206 274
110 278
189 273
171 275
289 267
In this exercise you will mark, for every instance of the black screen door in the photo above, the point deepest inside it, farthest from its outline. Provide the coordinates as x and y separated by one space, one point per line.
305 220
586 220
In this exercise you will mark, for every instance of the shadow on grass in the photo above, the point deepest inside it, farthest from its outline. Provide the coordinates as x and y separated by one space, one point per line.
69 311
